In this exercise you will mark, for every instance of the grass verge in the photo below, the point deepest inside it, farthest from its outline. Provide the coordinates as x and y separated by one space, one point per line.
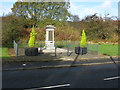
4 52
109 49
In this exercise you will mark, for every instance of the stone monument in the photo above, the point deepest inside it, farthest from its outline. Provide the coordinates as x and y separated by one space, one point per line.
49 42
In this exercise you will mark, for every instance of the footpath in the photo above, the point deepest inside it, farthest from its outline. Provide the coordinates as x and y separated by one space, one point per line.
59 60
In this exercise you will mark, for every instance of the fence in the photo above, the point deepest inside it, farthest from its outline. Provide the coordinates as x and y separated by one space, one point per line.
15 47
69 46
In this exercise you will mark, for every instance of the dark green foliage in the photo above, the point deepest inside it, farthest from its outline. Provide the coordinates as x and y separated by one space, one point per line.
11 30
60 46
75 18
97 29
42 13
18 28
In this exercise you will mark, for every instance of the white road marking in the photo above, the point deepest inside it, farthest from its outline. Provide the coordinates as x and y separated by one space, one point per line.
112 78
49 87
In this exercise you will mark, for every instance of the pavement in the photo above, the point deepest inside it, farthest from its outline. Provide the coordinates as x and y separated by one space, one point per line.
48 59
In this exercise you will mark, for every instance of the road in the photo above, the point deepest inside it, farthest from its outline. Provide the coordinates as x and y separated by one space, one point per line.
95 76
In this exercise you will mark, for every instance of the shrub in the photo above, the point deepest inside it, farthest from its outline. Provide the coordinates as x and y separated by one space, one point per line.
31 42
12 29
60 46
66 33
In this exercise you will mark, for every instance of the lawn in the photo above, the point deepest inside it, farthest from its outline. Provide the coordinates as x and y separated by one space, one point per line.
4 52
108 49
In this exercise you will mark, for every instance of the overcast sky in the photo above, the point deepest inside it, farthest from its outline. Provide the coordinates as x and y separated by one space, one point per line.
77 7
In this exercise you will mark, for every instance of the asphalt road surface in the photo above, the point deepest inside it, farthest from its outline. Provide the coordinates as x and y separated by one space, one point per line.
96 76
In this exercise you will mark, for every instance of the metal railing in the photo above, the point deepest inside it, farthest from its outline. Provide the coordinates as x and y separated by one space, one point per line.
69 46
15 47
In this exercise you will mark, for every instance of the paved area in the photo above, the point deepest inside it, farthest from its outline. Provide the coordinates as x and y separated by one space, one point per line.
79 71
48 59
61 55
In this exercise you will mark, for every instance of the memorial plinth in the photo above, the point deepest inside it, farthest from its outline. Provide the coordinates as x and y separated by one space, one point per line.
49 42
